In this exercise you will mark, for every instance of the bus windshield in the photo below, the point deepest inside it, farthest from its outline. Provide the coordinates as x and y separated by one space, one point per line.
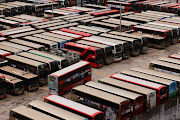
125 110
2 86
118 48
54 66
99 59
64 63
19 86
108 52
42 70
163 91
99 117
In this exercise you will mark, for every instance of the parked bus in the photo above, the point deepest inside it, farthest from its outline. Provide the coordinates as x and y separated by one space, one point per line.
143 39
30 80
10 23
173 31
107 50
161 90
61 26
104 25
31 66
48 13
10 49
77 37
114 107
2 87
87 53
137 100
165 67
52 64
134 43
149 95
171 85
163 33
53 39
54 111
4 53
49 45
64 80
50 25
175 56
24 48
158 74
85 30
75 32
75 107
14 86
125 6
169 60
120 48
153 40
28 44
93 28
23 112
62 61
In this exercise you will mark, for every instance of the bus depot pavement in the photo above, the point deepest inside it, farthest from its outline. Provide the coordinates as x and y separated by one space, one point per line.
139 61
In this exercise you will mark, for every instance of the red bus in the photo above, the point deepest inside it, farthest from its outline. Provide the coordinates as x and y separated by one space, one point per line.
77 108
2 87
152 6
4 53
87 53
75 32
64 80
105 13
175 9
166 8
175 56
77 37
161 90
155 31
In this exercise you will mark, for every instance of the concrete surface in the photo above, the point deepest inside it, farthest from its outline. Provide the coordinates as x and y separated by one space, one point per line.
140 61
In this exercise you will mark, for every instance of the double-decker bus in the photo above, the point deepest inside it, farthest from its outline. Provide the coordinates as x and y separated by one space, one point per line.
87 53
30 80
59 41
62 61
10 49
2 87
175 9
23 112
165 67
161 90
28 44
14 86
149 95
117 46
153 40
174 32
75 107
24 48
107 50
4 53
152 6
54 111
52 64
137 100
158 74
31 66
49 45
64 80
75 32
77 37
143 39
171 85
113 106
163 33
175 56
134 43
125 6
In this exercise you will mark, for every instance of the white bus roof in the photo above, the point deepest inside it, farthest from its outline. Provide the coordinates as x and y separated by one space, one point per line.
59 112
156 29
111 40
32 114
16 45
113 90
71 104
138 81
66 34
3 52
92 44
70 68
126 85
170 60
157 73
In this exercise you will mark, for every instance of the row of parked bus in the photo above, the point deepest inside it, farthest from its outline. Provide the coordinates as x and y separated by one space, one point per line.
16 8
124 95
157 5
